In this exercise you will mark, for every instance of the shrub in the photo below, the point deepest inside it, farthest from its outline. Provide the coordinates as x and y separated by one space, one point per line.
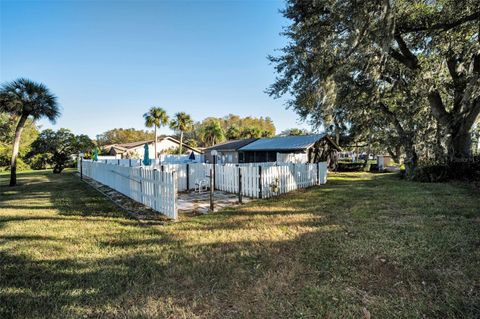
467 170
39 161
350 167
21 166
430 173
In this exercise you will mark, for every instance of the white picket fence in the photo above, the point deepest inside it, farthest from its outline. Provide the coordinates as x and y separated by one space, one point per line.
179 159
196 172
265 180
157 185
153 162
146 185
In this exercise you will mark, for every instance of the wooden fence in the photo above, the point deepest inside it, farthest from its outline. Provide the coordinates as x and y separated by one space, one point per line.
146 185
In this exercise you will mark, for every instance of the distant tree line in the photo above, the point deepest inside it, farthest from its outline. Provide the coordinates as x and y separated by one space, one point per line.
213 130
123 135
203 133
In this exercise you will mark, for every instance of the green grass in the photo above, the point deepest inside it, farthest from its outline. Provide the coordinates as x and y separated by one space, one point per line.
360 243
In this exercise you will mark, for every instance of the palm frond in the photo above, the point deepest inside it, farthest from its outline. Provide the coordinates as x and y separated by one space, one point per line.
156 116
26 97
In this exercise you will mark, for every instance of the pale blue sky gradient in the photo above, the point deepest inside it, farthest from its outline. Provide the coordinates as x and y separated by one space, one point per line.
109 61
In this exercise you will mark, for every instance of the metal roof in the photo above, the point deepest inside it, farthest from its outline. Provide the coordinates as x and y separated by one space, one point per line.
231 145
283 143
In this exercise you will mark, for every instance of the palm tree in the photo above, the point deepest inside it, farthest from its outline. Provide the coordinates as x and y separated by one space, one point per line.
182 122
213 132
26 99
156 117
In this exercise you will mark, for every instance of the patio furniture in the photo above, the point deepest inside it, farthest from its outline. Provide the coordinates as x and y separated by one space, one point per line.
201 185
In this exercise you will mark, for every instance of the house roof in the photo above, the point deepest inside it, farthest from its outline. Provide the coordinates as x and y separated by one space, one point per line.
286 143
126 146
133 144
231 145
195 149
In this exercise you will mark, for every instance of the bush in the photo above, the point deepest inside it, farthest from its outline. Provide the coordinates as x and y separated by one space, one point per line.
430 174
468 170
21 166
39 161
350 167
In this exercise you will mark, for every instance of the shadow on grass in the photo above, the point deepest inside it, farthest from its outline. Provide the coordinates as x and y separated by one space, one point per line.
328 251
63 192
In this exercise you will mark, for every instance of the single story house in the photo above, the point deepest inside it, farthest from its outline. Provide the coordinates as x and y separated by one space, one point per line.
298 149
292 149
137 149
226 152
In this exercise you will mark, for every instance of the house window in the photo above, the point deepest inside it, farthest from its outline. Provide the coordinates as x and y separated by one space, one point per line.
271 156
260 157
241 157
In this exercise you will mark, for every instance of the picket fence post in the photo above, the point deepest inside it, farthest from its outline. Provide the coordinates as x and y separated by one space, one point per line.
212 185
259 181
239 184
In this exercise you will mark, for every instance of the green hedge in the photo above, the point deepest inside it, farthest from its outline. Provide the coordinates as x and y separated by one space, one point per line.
350 167
468 170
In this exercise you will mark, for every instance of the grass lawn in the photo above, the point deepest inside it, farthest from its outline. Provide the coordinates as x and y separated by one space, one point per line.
360 244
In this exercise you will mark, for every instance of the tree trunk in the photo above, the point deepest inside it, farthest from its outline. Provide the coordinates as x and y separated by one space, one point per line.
406 139
411 159
155 143
395 153
439 151
57 169
459 126
460 144
365 163
16 148
337 135
181 143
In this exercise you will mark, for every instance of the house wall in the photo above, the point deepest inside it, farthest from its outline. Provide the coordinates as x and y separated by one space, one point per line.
223 157
273 156
258 156
292 157
162 147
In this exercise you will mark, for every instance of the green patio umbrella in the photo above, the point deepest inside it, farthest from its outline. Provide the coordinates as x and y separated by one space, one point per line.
95 154
146 157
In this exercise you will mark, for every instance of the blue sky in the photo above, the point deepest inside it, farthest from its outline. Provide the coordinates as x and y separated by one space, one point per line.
109 61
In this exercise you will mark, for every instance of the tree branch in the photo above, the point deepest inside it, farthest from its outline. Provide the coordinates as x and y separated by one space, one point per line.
412 58
473 114
393 118
443 26
405 56
437 107
458 83
400 58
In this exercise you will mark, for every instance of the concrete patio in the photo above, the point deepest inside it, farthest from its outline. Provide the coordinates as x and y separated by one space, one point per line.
195 202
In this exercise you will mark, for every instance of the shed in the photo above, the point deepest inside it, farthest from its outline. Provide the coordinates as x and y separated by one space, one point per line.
227 152
304 148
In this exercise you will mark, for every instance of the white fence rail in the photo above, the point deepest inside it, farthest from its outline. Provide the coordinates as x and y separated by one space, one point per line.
156 185
264 181
148 186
